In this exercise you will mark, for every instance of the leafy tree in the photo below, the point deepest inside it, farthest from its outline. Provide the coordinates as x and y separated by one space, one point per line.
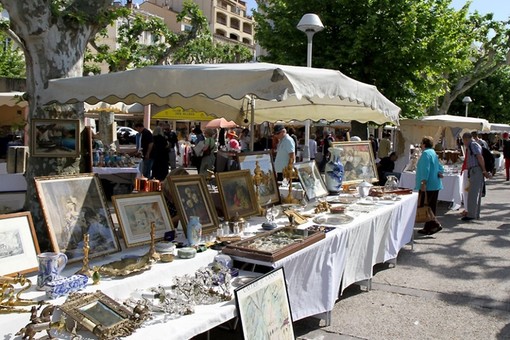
413 51
490 98
193 46
12 61
53 35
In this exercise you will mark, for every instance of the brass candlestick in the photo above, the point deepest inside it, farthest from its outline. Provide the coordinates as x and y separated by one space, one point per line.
85 269
258 179
290 173
153 254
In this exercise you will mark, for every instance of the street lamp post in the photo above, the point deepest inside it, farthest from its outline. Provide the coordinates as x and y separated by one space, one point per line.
467 100
309 24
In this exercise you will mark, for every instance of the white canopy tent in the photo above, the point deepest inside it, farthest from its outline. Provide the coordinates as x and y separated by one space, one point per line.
12 99
273 92
500 127
445 127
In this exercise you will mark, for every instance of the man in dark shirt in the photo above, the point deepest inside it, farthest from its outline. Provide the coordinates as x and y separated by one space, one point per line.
506 154
146 144
385 168
326 144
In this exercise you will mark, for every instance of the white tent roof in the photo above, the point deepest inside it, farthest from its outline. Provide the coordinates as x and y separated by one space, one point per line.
116 108
500 127
450 121
280 92
12 99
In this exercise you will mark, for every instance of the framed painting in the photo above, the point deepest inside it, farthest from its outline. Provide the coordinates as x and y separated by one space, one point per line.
18 244
55 138
192 198
263 307
268 192
311 180
136 212
237 193
358 161
73 206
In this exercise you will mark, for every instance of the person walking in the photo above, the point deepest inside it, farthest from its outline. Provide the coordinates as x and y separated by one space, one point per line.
476 174
173 144
384 146
428 181
145 148
159 154
285 151
312 147
326 144
506 154
208 156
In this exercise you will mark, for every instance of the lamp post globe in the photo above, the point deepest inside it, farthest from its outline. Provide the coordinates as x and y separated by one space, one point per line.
467 100
310 24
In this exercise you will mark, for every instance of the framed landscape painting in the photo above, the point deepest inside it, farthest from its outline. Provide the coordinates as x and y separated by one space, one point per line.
73 206
268 192
237 194
264 309
55 138
18 244
311 180
192 198
136 212
358 161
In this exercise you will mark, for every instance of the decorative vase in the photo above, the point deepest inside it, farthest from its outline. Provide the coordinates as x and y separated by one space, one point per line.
194 230
334 171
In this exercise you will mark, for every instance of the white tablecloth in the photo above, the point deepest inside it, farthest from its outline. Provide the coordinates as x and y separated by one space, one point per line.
499 163
204 318
452 187
346 255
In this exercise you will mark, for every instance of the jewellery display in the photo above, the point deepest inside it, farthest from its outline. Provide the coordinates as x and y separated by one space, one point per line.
273 245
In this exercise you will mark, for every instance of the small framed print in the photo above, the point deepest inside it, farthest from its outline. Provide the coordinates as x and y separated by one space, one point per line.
358 161
311 180
264 309
18 244
136 212
55 138
268 188
237 193
192 198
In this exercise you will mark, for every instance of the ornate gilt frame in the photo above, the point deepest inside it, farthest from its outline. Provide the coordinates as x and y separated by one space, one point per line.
75 307
223 179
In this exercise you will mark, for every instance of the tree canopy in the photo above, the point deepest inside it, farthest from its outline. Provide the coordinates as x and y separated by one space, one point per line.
418 53
12 61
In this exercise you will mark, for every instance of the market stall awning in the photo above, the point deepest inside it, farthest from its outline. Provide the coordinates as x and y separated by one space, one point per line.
115 108
450 121
500 127
12 99
178 113
276 92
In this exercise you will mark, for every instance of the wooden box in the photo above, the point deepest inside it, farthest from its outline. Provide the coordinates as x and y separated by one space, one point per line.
273 245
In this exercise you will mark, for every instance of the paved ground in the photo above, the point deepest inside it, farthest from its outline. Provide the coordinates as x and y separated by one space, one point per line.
454 285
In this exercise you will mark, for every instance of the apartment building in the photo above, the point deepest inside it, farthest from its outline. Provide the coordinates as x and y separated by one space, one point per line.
229 20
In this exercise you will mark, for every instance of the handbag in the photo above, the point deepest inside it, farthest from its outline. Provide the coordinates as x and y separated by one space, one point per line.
424 214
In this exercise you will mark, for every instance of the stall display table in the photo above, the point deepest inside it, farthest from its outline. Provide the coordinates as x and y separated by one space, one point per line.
185 327
452 187
316 274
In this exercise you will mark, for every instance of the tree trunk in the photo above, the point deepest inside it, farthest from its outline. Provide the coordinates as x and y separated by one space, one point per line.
54 47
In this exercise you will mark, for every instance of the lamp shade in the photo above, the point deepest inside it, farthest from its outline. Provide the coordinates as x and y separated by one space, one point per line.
467 100
310 23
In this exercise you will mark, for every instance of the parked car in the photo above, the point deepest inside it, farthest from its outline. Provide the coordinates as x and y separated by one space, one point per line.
126 135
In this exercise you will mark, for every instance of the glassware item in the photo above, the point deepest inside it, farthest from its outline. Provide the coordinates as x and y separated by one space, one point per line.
219 232
226 229
237 230
391 183
364 189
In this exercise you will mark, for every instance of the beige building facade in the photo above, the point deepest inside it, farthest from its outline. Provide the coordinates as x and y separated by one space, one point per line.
229 20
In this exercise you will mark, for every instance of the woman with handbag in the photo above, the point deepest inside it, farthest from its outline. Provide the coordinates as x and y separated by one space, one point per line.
428 181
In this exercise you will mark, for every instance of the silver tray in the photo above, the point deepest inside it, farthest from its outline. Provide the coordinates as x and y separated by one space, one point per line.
333 219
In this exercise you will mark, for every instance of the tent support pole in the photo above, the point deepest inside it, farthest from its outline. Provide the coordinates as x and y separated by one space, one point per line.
252 123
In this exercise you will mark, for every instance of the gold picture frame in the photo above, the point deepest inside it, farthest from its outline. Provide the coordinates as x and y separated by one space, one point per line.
269 192
135 213
55 138
237 194
72 206
18 244
192 198
358 161
101 315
